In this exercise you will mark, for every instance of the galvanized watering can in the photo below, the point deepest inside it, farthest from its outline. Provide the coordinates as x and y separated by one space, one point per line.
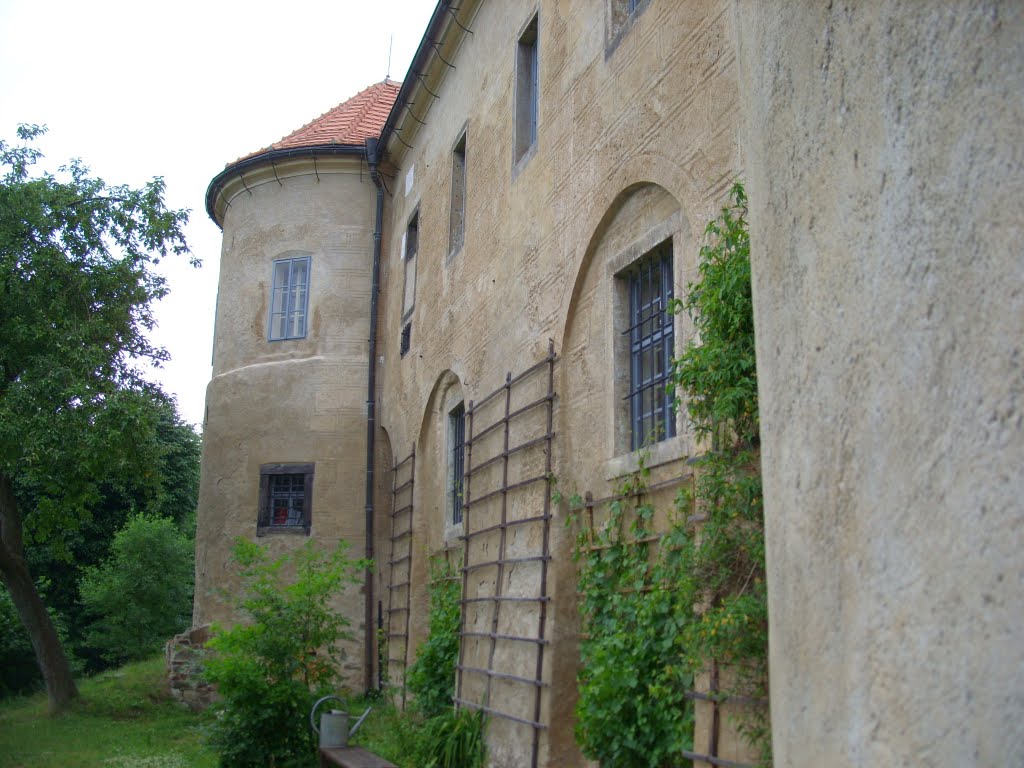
334 730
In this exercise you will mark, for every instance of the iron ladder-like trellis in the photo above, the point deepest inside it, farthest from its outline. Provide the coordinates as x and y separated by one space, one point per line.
503 503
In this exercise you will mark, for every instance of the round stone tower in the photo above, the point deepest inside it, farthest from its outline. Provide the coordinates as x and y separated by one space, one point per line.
284 436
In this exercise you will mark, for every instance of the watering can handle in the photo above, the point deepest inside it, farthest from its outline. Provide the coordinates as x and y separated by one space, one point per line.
312 712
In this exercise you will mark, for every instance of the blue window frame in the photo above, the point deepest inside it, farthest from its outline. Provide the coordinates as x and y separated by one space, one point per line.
289 298
651 347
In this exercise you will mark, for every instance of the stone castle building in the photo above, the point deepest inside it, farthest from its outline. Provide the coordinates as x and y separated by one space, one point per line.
440 294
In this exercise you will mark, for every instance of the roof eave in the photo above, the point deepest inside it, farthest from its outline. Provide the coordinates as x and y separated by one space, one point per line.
263 158
423 52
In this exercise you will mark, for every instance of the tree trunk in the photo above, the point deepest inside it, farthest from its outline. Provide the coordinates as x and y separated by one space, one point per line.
53 663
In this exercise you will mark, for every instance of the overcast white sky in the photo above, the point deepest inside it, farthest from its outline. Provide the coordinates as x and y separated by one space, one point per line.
140 89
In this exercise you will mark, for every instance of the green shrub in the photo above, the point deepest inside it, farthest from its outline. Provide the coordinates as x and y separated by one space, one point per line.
431 678
455 739
271 670
142 594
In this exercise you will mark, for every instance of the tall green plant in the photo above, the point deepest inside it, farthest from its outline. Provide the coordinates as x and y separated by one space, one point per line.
723 564
654 620
632 711
270 670
431 678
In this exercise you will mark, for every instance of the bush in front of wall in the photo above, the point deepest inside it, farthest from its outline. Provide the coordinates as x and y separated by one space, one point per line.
271 670
431 678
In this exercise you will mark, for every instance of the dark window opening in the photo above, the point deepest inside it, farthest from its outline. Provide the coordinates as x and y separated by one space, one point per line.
406 341
286 498
457 460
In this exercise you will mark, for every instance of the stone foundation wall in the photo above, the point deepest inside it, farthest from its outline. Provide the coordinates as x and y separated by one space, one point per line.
185 654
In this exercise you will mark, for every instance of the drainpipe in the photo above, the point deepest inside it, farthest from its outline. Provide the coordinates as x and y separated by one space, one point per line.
371 407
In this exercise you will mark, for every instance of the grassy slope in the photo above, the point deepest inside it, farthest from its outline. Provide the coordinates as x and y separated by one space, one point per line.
125 719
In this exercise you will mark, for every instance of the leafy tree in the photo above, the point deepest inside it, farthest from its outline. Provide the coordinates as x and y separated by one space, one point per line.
142 594
270 671
174 495
76 288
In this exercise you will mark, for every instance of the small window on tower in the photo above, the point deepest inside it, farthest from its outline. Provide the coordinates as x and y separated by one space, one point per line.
289 298
286 498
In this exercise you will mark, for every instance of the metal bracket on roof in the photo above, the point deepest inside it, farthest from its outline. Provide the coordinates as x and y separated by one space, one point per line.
456 19
396 132
437 50
317 172
241 178
423 82
408 109
273 167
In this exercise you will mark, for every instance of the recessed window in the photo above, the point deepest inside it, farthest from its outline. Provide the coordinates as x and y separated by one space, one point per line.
410 245
289 298
458 213
286 498
527 90
651 339
456 461
620 16
406 340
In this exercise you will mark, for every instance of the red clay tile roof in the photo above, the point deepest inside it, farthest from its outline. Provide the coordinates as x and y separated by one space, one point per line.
350 123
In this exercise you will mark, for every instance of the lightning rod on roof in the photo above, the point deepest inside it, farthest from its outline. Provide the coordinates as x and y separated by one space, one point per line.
390 43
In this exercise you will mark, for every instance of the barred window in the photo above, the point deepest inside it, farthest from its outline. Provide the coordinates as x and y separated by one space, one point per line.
289 298
456 460
651 346
286 496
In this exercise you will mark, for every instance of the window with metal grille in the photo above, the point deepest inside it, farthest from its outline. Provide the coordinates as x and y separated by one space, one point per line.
651 347
289 298
456 460
406 340
286 495
527 90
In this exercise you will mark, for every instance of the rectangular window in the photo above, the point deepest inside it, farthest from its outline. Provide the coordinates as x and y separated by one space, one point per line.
456 460
289 298
527 90
458 214
406 340
410 245
286 498
620 13
651 347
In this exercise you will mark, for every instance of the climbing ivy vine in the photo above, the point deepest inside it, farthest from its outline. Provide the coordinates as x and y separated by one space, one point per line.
659 609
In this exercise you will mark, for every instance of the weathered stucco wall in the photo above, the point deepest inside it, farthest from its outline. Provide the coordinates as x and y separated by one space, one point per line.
291 401
637 143
885 153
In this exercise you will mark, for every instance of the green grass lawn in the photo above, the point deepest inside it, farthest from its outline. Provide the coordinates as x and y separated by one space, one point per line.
124 719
